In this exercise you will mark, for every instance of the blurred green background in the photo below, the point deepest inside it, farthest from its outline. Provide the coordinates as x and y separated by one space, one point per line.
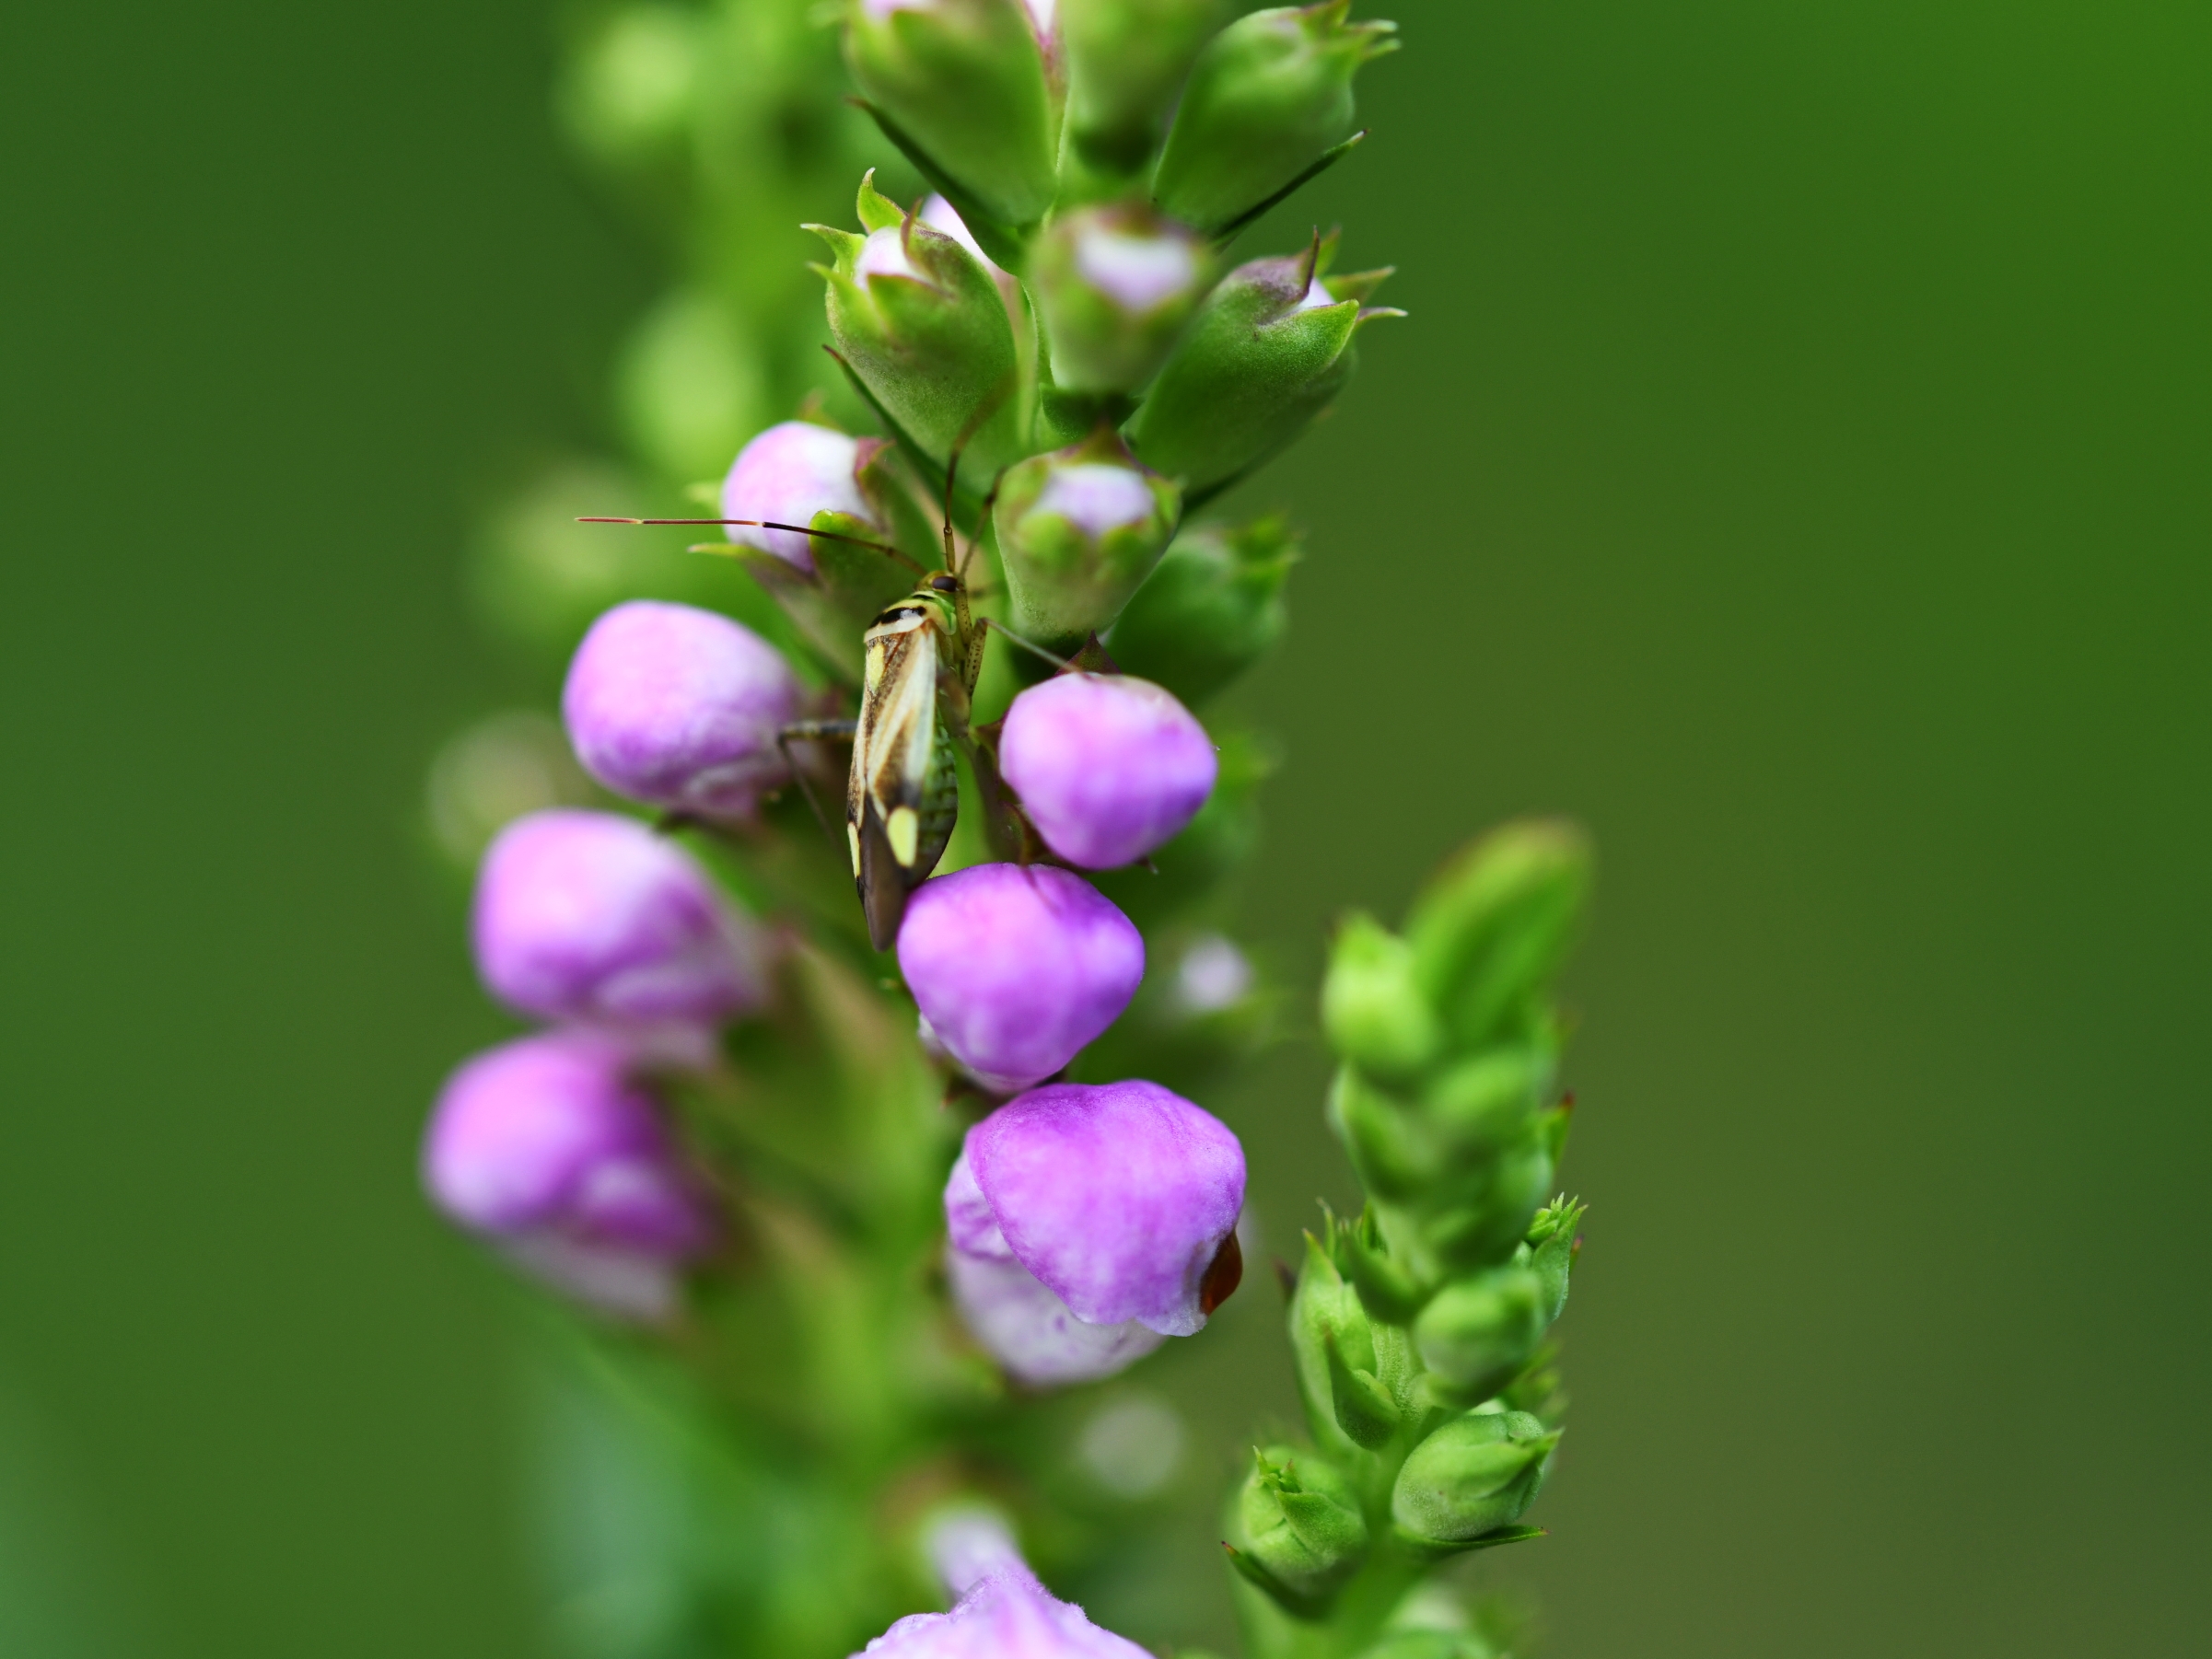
1797 464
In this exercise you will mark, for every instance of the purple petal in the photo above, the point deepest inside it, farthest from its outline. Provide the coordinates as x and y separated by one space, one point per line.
1016 967
1031 1332
1116 1196
787 475
1006 1614
679 707
590 917
1108 767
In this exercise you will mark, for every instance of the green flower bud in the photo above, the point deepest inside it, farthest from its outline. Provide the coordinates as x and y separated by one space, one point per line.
1371 1008
1328 1328
1114 285
1210 609
1302 1532
1484 1103
1435 1644
1267 98
1479 1334
1481 1217
962 87
1265 352
1490 932
1474 1474
1124 59
1397 1153
919 319
1078 530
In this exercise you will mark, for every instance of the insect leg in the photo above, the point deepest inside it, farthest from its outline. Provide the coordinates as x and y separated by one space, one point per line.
816 731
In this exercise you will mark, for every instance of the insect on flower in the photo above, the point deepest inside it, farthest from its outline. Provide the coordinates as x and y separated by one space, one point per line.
922 655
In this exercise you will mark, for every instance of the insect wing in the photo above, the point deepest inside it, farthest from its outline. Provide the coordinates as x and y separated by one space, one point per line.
896 815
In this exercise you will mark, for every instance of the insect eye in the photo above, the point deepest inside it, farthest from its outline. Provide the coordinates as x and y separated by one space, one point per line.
944 583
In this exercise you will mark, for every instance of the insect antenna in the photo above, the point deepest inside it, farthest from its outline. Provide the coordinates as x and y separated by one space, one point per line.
1057 661
769 524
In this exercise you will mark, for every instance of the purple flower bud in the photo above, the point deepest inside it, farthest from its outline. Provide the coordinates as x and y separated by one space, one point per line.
1117 1201
547 1145
590 917
790 472
1016 967
1003 1613
679 707
1108 767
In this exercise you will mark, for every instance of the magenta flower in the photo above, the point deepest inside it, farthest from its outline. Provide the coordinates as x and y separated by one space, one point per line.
1086 1222
590 918
790 472
1002 1612
1016 968
546 1145
681 708
1108 767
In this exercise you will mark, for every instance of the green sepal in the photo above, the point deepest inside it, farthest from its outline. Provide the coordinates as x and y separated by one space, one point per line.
1365 1409
1210 609
1307 1608
1372 1009
1363 1256
1475 1475
1553 1248
1435 1550
1249 375
1490 931
1326 1323
1396 1154
1487 1101
965 84
1268 97
1062 582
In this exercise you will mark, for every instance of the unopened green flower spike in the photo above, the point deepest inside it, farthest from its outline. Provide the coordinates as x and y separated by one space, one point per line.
920 321
964 87
1267 101
1078 530
1267 351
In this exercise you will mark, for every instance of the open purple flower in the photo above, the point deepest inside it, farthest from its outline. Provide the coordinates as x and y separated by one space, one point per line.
1086 1222
679 707
546 1145
1002 1611
590 918
1016 967
1108 767
790 472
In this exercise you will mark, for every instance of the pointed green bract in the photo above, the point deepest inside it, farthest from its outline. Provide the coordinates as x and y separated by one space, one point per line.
966 82
1266 352
921 322
1268 96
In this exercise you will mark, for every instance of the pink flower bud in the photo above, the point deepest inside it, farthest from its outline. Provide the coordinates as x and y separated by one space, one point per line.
681 708
590 918
1108 767
1016 968
790 472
